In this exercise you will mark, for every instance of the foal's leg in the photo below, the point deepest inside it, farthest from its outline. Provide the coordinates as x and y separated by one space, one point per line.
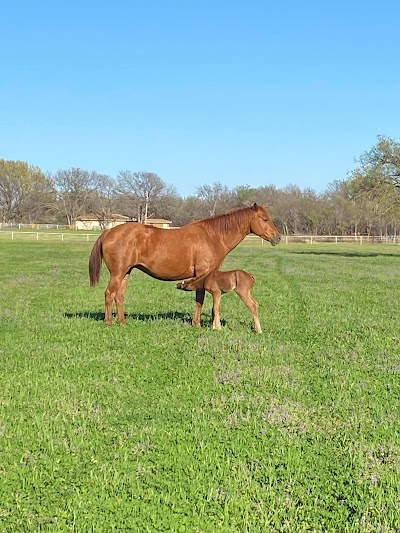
120 297
110 295
216 294
251 304
200 293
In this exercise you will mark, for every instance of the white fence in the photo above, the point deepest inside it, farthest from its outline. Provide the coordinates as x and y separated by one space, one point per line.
333 239
45 236
76 236
33 226
341 239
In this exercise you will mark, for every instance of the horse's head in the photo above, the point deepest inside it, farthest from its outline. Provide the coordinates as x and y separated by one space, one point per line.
261 224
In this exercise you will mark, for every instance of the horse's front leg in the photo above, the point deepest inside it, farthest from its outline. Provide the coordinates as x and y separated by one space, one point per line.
200 293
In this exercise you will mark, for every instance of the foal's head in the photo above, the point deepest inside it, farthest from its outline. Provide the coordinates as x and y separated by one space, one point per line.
187 285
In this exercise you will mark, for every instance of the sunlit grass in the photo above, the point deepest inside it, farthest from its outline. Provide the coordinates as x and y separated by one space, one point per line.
158 426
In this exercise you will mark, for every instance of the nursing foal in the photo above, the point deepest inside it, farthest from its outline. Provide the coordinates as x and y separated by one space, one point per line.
217 283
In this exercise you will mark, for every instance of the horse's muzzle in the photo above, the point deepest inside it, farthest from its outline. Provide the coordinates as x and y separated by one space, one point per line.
275 240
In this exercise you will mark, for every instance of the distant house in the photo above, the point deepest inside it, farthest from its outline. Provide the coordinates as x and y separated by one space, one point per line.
159 222
90 221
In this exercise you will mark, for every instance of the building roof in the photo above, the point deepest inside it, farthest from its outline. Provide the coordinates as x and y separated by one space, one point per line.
158 221
93 217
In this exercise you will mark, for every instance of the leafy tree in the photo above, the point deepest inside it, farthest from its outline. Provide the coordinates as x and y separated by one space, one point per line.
18 181
35 206
244 195
381 164
375 183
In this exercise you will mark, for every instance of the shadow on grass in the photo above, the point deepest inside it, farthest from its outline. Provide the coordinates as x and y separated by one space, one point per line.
359 254
99 316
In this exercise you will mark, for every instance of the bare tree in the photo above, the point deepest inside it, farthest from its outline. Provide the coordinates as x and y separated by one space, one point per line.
215 198
188 210
142 192
73 189
103 200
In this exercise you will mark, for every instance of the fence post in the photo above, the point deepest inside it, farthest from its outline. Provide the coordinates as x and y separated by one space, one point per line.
37 236
62 236
12 235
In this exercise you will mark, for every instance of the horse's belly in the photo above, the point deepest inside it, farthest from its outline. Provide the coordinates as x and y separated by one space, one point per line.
167 272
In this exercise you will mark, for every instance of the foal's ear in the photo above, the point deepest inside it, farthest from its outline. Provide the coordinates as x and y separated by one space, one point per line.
255 207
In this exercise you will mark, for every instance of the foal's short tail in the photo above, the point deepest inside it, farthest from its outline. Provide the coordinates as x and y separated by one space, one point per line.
95 261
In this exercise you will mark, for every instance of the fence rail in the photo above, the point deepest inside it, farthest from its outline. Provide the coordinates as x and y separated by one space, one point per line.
45 236
76 236
7 225
341 239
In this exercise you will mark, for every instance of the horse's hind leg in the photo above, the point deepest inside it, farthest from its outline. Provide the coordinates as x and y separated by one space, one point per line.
120 297
252 305
200 293
110 295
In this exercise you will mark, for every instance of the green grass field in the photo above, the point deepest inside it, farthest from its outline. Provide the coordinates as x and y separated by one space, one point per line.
158 426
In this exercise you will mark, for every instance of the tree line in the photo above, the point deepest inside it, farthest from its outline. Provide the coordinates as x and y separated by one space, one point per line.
367 201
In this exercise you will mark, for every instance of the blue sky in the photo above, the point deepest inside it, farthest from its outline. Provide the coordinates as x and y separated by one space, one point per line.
254 92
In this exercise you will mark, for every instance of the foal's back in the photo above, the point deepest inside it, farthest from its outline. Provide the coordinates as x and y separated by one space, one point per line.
230 280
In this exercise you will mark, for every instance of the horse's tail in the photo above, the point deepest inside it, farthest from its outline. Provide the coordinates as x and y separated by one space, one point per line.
95 260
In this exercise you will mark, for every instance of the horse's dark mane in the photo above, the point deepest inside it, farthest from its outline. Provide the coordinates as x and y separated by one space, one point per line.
227 222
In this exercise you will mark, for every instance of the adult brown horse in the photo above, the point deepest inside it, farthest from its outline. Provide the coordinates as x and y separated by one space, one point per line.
173 254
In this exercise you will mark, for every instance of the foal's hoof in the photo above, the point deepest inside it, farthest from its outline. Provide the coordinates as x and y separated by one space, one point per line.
196 324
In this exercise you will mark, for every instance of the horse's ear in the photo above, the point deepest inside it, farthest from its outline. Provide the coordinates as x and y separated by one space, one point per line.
255 207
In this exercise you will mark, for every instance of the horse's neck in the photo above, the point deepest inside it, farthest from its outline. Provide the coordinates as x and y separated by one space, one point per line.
231 239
